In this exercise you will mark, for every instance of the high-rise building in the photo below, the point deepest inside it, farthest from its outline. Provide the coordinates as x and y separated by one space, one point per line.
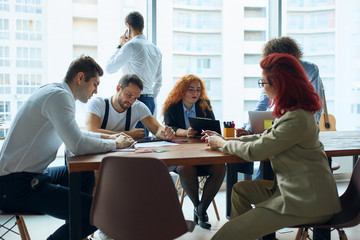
22 54
328 31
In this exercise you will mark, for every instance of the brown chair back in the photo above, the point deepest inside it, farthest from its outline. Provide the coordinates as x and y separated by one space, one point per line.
350 203
135 199
349 215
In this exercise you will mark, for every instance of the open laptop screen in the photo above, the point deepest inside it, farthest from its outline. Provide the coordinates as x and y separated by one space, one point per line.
260 120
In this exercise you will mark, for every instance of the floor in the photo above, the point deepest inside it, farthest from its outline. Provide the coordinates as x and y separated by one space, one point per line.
40 227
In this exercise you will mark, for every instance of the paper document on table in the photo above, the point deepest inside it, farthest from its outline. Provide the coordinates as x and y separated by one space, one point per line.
155 144
125 150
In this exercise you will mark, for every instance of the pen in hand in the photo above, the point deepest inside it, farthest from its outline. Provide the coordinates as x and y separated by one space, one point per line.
202 130
133 145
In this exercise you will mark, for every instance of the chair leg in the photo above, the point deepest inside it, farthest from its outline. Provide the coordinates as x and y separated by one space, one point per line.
299 233
22 228
305 234
342 234
177 183
215 209
182 197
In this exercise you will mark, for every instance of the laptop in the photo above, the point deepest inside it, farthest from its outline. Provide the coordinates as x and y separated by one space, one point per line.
200 124
260 120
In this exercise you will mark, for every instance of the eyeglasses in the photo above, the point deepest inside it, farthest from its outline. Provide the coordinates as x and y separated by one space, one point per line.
261 83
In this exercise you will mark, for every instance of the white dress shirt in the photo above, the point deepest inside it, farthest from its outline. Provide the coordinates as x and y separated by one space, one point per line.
141 57
41 125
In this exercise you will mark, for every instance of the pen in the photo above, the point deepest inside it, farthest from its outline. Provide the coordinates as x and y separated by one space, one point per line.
202 130
133 145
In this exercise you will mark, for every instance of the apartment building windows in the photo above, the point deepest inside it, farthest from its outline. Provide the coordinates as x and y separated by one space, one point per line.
251 82
203 63
182 42
249 105
28 57
5 87
27 83
252 58
182 20
254 35
254 12
4 6
28 29
28 6
4 56
5 110
4 28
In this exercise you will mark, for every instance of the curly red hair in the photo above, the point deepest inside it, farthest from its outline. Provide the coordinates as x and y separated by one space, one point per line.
293 89
180 89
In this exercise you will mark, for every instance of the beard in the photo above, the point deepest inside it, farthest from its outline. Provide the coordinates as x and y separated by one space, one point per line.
124 104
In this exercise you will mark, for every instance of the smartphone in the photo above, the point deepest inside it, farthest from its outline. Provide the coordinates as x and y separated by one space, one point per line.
128 33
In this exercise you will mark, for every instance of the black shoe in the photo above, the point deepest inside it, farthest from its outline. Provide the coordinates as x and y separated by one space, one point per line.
202 218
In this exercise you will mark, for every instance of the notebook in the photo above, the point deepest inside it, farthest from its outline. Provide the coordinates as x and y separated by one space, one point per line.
260 120
200 124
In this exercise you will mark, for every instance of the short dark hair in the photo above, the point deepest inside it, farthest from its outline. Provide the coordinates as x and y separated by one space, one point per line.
85 64
126 79
282 45
135 20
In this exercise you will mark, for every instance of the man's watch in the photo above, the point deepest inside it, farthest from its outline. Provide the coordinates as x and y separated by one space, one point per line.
119 46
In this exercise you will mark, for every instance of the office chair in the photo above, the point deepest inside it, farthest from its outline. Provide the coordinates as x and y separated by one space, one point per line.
8 226
124 209
349 215
202 180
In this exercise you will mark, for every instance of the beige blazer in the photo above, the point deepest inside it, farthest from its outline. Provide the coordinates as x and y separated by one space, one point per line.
305 184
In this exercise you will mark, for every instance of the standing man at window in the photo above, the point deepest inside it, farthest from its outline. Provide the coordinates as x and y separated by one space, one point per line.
135 54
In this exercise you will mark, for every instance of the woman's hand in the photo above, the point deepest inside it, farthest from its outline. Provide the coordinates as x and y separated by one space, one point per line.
241 132
209 133
191 132
215 142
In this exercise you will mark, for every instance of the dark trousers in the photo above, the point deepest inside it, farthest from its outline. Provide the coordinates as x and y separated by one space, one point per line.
47 193
150 103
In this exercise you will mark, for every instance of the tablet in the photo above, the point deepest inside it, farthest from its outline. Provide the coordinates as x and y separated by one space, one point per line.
149 139
200 124
260 120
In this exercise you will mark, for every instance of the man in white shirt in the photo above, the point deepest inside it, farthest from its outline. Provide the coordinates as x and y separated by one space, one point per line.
123 111
135 54
41 125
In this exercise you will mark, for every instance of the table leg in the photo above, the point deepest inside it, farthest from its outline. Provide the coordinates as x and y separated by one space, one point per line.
231 179
75 205
355 158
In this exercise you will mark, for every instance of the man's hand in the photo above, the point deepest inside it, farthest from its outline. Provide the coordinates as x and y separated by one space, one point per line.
137 133
241 132
123 38
191 132
167 133
123 141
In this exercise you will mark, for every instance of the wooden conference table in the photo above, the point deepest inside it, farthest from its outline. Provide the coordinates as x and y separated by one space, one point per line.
192 152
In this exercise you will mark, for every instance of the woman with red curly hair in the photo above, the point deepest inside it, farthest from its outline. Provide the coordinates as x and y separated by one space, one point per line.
304 190
189 99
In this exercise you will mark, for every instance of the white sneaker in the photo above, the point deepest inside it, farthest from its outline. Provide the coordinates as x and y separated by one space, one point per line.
103 236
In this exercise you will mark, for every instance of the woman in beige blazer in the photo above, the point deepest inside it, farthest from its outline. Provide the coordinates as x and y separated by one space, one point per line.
304 191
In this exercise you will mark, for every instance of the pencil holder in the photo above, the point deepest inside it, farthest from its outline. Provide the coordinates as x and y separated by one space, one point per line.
229 132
